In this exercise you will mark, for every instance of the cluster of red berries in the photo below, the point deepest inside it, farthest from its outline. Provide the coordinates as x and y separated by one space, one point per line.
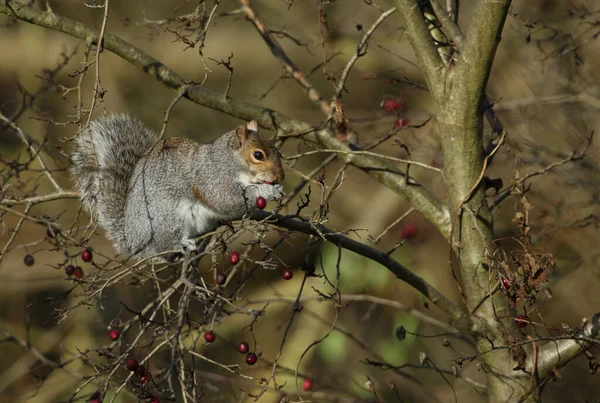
395 105
141 372
87 256
243 347
391 104
251 358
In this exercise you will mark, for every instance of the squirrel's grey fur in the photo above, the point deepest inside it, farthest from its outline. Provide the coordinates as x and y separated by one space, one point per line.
154 195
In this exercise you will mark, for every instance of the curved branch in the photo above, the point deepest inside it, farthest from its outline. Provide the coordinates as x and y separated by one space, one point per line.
559 353
384 172
460 320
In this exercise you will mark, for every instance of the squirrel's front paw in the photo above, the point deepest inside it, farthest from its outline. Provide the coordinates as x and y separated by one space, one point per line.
272 192
189 244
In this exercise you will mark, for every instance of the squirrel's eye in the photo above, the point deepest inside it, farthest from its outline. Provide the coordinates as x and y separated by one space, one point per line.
258 155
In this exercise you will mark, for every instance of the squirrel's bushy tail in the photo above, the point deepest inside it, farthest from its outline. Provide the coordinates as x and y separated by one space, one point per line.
104 158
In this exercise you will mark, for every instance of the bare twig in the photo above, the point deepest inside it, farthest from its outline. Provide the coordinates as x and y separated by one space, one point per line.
361 50
280 54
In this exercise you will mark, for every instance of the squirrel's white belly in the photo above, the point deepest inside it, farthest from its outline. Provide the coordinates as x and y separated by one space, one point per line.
197 218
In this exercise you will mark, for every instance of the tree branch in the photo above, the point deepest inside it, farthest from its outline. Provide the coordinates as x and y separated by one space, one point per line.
479 49
279 53
383 171
559 353
422 43
460 320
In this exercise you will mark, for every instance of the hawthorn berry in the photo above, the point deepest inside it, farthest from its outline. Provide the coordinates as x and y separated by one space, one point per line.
221 278
154 400
522 320
132 364
78 272
251 359
69 270
96 401
141 370
243 347
307 385
210 336
87 256
234 258
145 379
288 273
392 105
261 202
400 123
506 283
408 231
29 260
114 335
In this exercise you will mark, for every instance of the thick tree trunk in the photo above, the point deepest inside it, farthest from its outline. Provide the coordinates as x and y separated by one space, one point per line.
461 135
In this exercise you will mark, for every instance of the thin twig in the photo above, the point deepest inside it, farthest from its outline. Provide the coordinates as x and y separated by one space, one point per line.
361 50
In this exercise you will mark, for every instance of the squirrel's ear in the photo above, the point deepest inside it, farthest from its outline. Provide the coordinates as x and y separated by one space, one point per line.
241 135
252 126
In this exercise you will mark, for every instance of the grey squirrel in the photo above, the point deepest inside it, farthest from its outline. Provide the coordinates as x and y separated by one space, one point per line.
154 195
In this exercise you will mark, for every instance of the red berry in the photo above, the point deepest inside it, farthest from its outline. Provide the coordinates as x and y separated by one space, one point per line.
234 258
221 278
307 385
243 347
69 270
29 260
522 320
506 283
408 231
392 105
96 401
114 335
141 371
268 183
87 256
145 379
132 364
210 336
154 400
261 202
251 359
78 272
400 123
288 273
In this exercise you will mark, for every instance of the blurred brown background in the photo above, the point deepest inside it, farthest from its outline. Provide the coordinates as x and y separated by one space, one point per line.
546 95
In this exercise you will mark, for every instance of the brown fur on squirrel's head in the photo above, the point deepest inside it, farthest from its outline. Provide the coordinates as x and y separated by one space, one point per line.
259 154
